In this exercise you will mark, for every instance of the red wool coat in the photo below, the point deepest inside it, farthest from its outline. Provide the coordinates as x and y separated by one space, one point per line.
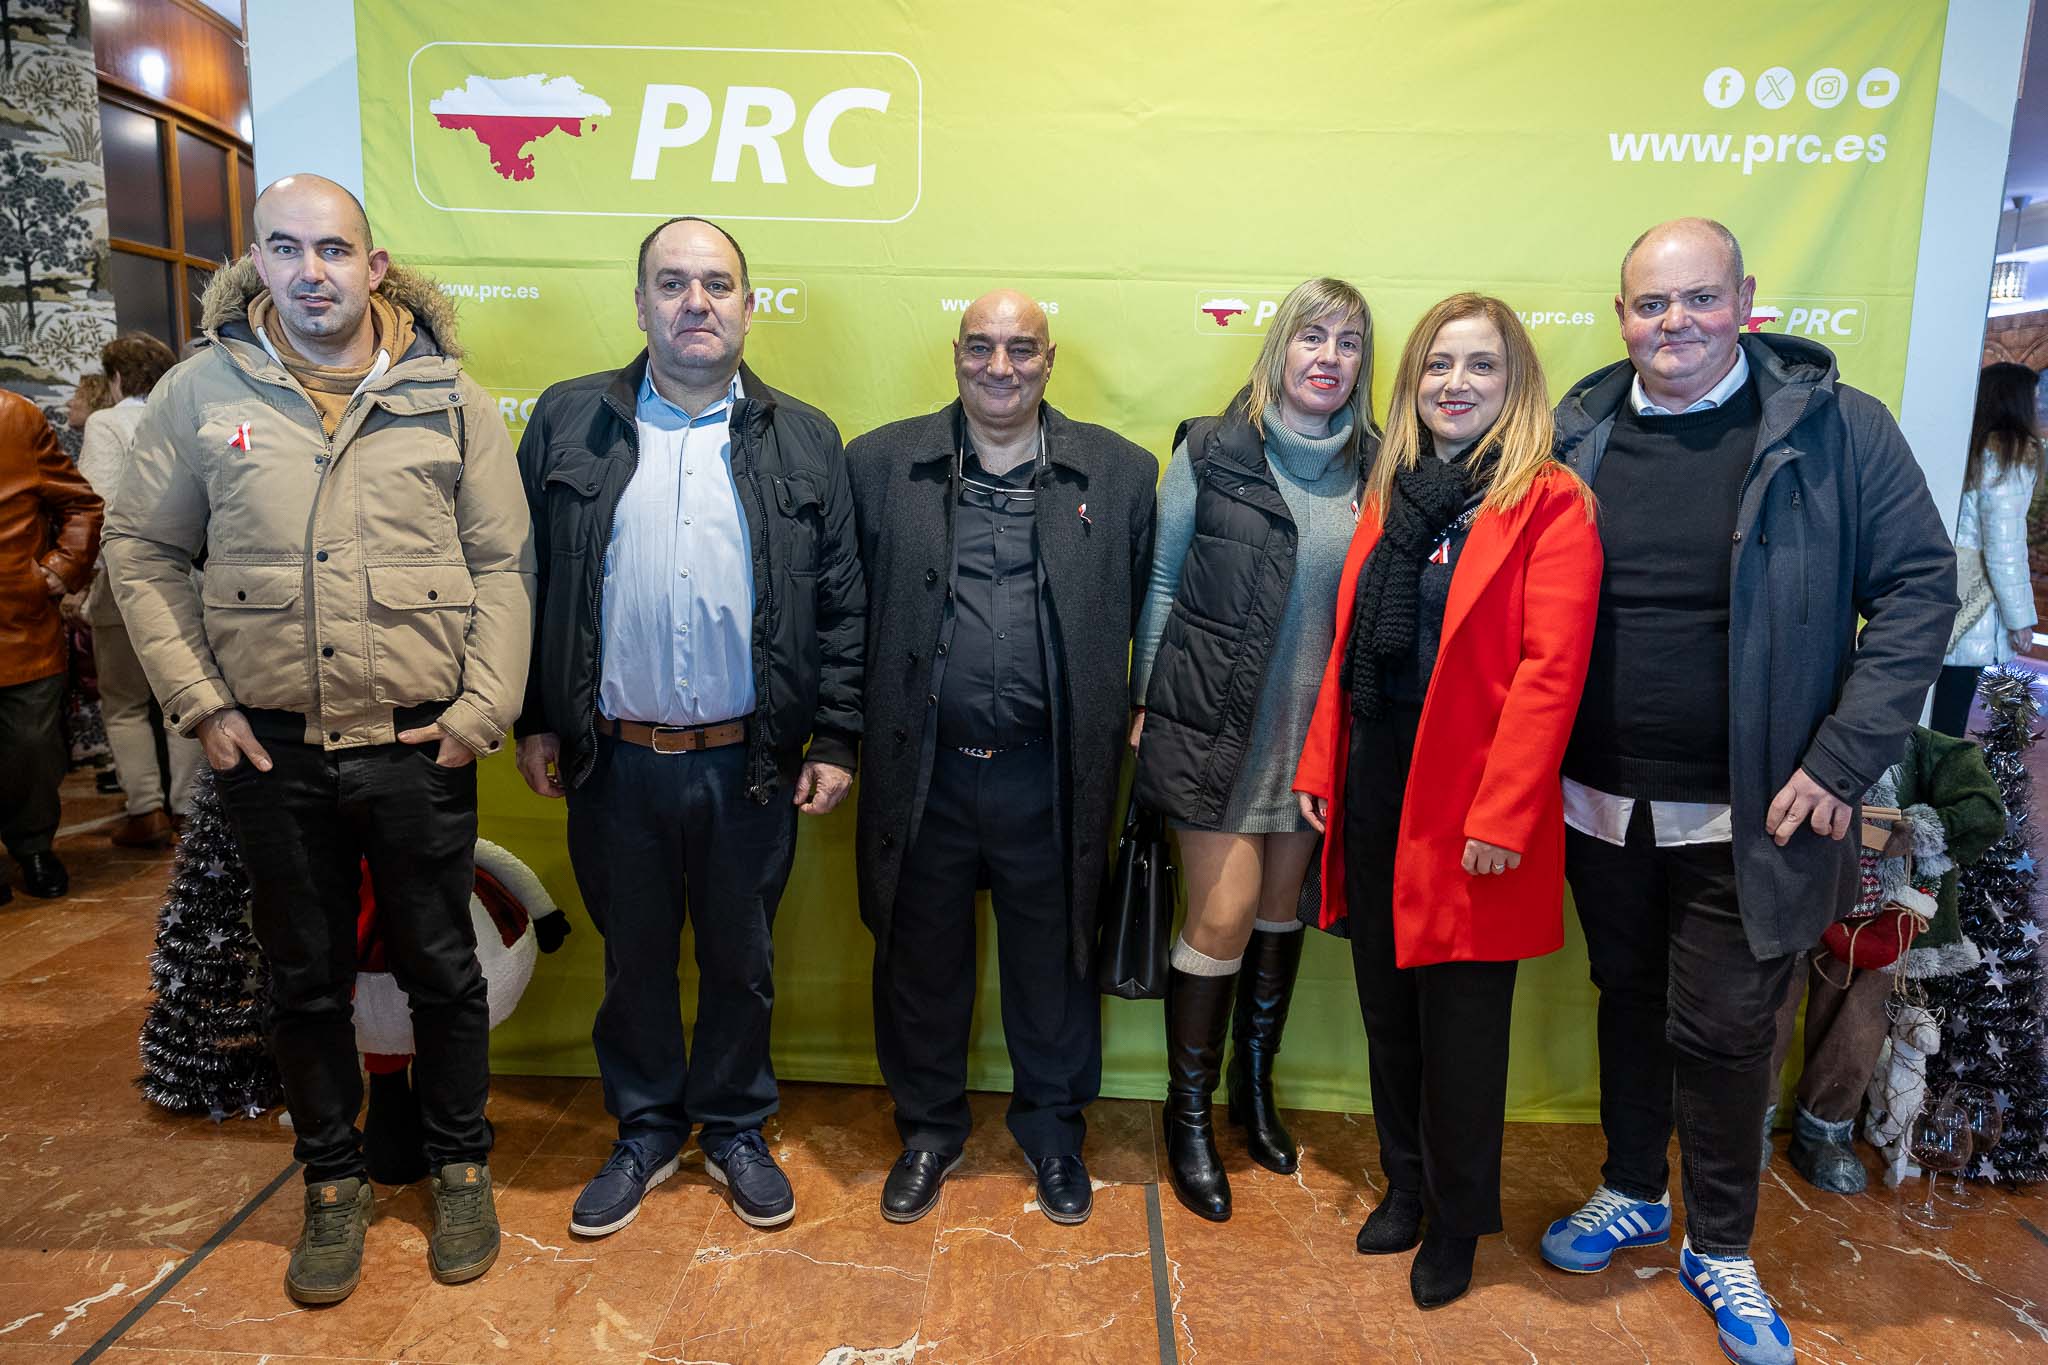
1516 635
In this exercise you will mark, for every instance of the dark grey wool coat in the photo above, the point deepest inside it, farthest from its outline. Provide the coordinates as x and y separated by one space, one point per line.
1092 573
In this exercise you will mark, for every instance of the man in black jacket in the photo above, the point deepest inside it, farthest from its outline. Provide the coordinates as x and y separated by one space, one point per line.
1007 547
699 625
1753 510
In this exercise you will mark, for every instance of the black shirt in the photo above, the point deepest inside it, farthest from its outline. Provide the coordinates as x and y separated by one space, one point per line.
992 694
1653 722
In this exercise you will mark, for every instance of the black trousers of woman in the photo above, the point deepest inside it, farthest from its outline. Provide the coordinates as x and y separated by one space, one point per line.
1954 692
1436 1036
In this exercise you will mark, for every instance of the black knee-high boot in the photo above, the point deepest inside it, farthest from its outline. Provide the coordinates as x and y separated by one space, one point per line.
1197 1012
1265 987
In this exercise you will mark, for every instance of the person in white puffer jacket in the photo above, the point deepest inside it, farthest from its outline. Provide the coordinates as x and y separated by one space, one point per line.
1997 619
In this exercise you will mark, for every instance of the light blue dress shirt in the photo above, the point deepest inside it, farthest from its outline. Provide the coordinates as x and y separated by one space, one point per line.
678 575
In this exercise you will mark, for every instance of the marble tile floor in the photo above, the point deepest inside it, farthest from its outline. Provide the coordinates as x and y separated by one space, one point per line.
140 1239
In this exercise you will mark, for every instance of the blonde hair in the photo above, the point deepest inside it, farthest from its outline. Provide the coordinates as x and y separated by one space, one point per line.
1523 434
95 391
1312 301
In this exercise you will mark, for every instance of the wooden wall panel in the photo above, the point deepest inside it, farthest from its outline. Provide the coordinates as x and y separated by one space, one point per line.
204 73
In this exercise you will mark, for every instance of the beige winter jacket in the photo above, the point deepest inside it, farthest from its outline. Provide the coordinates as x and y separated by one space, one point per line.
389 566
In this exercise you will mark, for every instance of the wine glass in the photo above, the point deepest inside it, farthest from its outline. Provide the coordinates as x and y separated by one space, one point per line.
1987 1125
1939 1141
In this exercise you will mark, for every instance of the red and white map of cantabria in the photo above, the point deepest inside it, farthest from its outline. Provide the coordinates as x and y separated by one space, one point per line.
511 114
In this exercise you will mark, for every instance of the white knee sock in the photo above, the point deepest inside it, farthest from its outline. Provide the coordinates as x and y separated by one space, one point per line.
1197 963
1277 926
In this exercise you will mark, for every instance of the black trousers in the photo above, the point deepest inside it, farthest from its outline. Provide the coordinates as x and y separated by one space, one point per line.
656 838
992 815
1687 1024
305 829
1436 1036
1954 692
32 738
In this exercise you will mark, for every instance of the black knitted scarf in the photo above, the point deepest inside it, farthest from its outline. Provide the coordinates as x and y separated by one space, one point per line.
1423 503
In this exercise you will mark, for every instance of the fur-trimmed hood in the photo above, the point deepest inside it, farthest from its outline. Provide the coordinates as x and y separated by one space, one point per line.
226 303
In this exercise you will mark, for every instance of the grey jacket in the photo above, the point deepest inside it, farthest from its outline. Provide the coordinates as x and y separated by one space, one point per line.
1835 526
1094 516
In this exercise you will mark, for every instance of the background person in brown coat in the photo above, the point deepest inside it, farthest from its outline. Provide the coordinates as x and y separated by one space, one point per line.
49 533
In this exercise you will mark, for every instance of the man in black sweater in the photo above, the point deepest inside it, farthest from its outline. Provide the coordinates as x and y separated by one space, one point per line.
1753 510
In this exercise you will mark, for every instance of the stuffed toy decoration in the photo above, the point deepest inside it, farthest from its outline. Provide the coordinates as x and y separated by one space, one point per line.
1898 899
1937 808
515 920
1899 1088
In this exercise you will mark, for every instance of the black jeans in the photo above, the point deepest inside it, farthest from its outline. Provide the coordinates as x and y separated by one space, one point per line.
1954 692
1687 1024
655 838
993 815
32 738
305 829
1436 1036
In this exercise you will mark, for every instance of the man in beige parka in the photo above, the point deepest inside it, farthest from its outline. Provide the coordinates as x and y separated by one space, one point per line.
360 638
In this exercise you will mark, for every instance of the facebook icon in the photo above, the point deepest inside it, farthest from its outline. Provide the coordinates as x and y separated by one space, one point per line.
1724 87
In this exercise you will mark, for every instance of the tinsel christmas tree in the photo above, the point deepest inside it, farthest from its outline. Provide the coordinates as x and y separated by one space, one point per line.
202 1042
1994 1030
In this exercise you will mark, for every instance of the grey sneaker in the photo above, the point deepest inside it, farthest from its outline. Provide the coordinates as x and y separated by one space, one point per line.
328 1261
465 1240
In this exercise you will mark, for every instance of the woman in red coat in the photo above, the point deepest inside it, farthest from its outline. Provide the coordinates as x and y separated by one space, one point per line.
1463 627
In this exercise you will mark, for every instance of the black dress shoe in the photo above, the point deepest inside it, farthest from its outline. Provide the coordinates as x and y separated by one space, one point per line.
1063 1189
42 875
914 1183
1442 1271
1396 1225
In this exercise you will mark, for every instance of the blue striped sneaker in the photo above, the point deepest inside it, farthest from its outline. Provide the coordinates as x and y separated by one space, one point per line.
1752 1333
1586 1241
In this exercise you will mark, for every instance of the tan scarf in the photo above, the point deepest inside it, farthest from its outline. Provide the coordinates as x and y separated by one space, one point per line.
331 386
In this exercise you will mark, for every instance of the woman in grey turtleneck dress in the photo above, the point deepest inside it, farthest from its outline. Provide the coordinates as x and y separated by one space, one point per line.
1256 510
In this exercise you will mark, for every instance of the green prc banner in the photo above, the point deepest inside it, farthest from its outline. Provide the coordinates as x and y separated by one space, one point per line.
1159 184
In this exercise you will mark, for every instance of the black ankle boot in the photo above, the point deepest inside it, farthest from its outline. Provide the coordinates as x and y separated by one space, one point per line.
1395 1225
1264 989
394 1147
1197 1011
1442 1271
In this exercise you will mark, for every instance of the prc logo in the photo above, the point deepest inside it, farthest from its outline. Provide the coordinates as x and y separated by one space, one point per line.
510 115
1832 322
1234 312
779 300
790 135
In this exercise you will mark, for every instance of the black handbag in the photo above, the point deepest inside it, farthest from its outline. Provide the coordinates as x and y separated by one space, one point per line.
1137 912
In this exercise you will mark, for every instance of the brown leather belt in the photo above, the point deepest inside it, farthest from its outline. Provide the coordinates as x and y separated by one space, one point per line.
675 739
